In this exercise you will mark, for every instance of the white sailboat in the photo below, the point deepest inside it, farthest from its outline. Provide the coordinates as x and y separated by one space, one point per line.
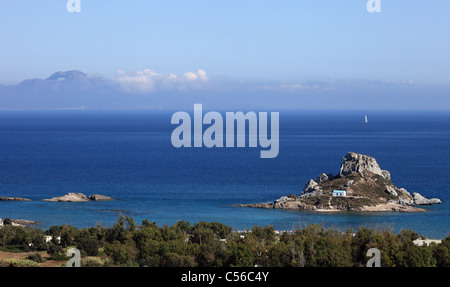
365 119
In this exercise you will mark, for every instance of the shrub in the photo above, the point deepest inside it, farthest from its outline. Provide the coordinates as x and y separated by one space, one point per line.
6 262
7 221
35 257
12 248
93 262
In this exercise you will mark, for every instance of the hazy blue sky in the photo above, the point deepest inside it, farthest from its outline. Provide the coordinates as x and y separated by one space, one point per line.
250 40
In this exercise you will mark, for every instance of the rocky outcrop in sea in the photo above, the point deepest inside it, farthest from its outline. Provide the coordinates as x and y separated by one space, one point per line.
367 188
78 197
14 199
16 222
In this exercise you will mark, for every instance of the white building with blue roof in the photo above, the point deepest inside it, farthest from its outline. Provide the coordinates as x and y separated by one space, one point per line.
341 193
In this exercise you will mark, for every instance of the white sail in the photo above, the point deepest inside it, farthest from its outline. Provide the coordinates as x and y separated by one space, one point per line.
366 120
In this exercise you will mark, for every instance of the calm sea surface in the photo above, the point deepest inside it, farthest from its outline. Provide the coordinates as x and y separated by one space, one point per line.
129 156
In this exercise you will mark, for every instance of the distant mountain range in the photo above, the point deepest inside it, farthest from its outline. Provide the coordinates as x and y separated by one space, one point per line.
147 89
77 90
71 90
74 75
70 77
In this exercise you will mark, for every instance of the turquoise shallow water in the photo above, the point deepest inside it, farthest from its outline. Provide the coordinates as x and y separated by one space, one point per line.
129 156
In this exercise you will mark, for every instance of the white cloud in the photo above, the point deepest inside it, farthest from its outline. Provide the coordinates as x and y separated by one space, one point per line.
190 76
141 81
408 82
296 87
147 80
387 82
200 76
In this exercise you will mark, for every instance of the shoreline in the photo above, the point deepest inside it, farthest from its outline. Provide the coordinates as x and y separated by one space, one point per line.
299 206
18 222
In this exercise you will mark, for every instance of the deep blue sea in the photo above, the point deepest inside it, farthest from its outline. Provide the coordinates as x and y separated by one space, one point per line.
129 156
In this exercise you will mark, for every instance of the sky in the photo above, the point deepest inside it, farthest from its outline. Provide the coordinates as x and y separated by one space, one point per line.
284 43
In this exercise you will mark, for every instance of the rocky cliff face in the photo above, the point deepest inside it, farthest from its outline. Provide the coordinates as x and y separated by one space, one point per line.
368 188
355 162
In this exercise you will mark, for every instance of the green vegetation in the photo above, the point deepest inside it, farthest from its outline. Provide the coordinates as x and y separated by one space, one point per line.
215 244
344 203
17 263
319 201
7 221
36 257
369 185
365 190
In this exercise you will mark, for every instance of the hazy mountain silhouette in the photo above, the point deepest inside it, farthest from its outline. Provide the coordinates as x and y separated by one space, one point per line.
148 90
69 89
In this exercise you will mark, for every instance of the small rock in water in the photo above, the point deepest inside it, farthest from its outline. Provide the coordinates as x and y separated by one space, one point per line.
99 197
420 200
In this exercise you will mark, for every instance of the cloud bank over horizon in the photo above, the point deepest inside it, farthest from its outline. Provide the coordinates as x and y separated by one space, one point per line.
148 89
148 80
